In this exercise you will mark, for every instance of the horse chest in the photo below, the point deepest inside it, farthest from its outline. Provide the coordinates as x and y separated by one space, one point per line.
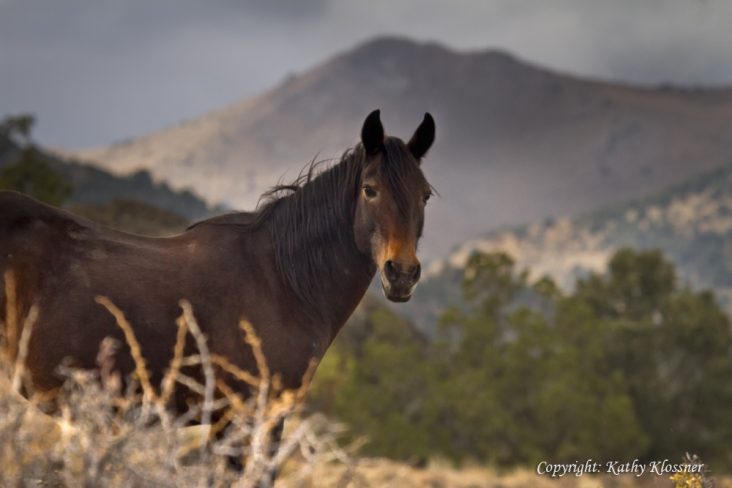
290 354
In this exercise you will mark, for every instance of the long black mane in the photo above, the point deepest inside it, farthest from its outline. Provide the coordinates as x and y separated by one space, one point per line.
308 219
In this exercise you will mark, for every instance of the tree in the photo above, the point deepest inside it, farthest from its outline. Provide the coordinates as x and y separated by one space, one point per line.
373 379
527 374
674 347
30 173
629 365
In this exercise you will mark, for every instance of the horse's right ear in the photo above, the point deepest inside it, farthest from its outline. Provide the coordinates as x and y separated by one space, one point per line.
372 133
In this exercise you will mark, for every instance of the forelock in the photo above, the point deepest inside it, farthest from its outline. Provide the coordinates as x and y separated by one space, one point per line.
401 173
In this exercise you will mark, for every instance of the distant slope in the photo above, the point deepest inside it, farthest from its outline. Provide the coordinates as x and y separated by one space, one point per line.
691 223
133 217
94 185
515 142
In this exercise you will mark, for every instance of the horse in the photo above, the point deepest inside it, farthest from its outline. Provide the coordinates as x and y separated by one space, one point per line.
295 268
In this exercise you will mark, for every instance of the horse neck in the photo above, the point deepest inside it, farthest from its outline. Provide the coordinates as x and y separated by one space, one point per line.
345 286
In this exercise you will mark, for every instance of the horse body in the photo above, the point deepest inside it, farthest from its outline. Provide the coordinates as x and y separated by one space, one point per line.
226 271
295 269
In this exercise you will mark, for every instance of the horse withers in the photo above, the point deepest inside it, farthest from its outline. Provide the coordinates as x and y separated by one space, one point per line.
295 269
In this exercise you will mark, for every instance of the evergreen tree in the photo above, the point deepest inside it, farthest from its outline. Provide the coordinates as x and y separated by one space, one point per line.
30 173
630 364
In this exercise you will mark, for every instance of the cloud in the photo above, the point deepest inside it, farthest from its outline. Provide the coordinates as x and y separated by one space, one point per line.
94 71
40 21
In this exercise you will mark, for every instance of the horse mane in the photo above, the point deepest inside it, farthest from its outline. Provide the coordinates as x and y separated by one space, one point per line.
307 219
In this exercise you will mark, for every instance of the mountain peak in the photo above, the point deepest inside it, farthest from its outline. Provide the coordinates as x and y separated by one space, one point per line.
515 142
398 46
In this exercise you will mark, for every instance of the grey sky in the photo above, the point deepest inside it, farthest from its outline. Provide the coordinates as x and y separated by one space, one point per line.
95 71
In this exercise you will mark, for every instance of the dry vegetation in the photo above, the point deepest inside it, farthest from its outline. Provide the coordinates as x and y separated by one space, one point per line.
107 435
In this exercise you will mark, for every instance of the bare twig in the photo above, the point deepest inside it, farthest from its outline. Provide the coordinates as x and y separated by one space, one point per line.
19 369
135 350
11 314
168 385
191 323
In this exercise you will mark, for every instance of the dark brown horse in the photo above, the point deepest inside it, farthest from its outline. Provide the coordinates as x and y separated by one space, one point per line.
296 268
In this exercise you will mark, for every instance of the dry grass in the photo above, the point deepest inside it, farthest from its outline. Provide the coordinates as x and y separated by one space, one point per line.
383 473
103 436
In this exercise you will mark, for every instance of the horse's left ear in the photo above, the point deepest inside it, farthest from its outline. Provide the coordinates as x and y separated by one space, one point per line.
423 137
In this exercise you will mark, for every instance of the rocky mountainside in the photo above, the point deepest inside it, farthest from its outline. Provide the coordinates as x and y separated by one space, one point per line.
515 142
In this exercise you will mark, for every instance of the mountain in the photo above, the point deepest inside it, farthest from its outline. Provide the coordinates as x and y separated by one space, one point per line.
515 142
96 191
690 222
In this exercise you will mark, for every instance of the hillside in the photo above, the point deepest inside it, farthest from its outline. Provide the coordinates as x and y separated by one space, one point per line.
515 143
133 217
94 186
691 223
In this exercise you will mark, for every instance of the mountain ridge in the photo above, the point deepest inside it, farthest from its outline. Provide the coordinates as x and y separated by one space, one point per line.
515 142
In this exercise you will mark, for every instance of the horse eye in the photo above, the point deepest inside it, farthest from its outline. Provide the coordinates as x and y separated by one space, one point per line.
369 192
427 197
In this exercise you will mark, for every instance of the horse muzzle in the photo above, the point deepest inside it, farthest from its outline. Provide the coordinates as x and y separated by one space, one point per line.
398 281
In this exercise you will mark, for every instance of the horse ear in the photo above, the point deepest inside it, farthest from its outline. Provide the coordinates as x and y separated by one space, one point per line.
423 137
372 133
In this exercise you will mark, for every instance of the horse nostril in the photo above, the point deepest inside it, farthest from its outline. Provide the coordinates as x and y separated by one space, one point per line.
397 273
416 273
390 270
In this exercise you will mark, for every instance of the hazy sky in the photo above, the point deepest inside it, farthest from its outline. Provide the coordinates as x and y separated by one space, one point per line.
95 71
